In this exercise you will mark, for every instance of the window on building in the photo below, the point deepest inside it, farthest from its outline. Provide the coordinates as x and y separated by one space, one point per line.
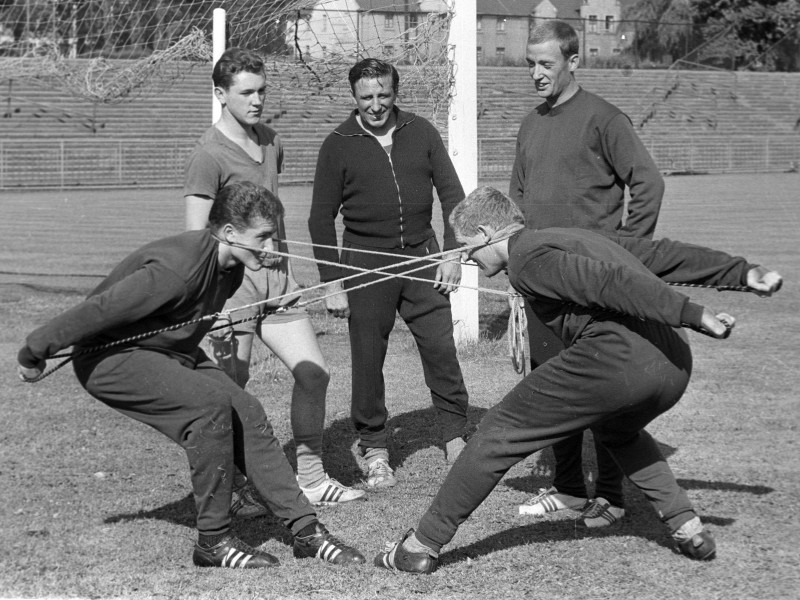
594 52
616 50
480 52
609 22
592 23
388 22
479 23
412 21
500 53
325 19
388 51
501 25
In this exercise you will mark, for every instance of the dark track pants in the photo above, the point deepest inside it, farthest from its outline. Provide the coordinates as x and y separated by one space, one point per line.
568 453
216 422
429 318
613 381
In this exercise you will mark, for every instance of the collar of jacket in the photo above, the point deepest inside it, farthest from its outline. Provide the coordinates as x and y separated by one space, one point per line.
351 127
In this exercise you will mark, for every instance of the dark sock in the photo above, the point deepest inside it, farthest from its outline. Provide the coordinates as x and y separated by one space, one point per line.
309 529
207 541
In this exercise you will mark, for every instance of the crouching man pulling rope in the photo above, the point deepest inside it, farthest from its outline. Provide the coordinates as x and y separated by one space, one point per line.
167 382
626 361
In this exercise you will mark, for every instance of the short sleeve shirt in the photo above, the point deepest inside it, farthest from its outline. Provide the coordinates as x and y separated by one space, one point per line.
218 161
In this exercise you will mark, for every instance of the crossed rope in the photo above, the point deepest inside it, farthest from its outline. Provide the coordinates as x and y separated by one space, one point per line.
517 324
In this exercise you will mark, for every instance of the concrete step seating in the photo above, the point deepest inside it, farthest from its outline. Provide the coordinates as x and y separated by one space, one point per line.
660 103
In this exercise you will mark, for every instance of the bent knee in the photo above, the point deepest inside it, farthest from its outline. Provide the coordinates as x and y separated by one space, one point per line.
311 376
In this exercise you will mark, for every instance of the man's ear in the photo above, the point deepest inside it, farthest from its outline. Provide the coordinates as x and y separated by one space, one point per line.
573 62
486 231
227 232
219 94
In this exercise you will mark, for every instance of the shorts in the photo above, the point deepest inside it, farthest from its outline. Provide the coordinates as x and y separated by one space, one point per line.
255 287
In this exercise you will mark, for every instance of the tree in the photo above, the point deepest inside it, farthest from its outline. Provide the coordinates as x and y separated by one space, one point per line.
753 34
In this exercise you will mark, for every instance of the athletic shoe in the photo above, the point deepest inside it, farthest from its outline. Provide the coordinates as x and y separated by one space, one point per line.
551 500
332 493
246 503
396 558
380 474
232 553
600 513
694 541
324 546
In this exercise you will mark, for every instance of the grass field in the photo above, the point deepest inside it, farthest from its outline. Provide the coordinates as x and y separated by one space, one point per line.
94 505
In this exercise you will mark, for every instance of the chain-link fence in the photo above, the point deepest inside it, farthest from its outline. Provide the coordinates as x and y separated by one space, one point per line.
70 163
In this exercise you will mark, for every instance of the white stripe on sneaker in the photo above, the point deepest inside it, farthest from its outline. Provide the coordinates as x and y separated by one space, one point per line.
328 551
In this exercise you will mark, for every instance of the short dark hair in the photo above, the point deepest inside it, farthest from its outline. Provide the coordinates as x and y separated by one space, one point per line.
485 206
235 60
560 31
372 68
240 203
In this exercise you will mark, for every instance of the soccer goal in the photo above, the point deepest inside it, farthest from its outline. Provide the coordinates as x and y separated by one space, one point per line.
110 51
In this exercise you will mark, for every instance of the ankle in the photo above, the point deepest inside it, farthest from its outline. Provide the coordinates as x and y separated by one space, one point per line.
412 544
688 530
207 541
373 454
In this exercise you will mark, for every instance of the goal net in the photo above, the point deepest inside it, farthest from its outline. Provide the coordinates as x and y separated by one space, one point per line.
110 51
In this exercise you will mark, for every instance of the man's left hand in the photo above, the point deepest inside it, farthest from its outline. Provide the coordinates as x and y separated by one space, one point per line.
448 275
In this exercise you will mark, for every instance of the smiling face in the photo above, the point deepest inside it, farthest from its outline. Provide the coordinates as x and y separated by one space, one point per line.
375 100
244 99
552 72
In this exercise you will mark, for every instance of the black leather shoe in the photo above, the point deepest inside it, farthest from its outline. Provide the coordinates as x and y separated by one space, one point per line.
232 553
324 546
397 558
700 546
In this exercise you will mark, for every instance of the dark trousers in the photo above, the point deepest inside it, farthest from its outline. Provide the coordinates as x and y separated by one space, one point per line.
218 425
613 381
568 453
427 313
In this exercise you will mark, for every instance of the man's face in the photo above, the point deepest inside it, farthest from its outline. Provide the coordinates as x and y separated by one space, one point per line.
375 99
485 255
245 98
551 72
257 235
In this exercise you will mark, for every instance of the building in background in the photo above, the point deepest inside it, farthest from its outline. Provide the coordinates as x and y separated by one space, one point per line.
398 30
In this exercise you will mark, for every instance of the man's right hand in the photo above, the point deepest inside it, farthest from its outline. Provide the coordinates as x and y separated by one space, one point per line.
31 373
337 304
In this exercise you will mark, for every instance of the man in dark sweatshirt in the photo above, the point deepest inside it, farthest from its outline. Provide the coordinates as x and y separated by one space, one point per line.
576 155
379 169
165 381
626 361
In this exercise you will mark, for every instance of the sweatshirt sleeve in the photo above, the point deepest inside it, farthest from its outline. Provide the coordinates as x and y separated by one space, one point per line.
678 262
517 183
140 294
326 200
448 186
633 164
558 274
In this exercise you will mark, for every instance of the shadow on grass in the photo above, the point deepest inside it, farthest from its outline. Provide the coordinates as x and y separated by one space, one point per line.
410 432
183 513
644 524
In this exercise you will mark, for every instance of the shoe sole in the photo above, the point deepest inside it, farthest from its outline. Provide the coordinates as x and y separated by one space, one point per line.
323 503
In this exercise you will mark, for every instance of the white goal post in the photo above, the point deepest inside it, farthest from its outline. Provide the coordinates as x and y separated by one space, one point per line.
462 125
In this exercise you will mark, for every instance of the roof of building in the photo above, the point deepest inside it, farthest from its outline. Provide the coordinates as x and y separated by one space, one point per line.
512 8
524 8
